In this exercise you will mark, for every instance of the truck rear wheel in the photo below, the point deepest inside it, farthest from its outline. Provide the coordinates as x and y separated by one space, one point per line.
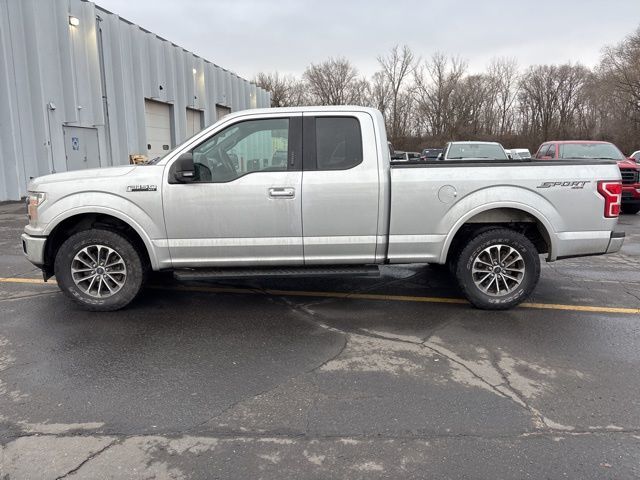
498 269
100 270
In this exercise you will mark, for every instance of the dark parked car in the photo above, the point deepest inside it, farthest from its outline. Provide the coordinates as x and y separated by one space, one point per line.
430 154
399 156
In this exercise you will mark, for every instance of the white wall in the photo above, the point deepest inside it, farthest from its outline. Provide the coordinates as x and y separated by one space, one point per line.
45 61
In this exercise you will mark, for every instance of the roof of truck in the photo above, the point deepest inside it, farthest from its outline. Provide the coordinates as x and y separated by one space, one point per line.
319 108
476 142
577 141
314 109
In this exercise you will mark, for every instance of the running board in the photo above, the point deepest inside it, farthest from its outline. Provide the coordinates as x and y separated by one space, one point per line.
275 272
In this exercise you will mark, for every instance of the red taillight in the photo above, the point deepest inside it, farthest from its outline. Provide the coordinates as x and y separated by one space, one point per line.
611 190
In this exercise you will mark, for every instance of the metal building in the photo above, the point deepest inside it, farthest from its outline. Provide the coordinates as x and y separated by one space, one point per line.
81 87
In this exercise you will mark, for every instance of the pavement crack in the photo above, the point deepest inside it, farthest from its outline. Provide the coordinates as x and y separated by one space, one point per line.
306 314
455 359
88 459
231 407
503 389
403 435
637 297
333 357
540 420
25 297
437 328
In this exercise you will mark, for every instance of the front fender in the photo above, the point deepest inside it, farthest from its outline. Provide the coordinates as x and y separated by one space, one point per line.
148 225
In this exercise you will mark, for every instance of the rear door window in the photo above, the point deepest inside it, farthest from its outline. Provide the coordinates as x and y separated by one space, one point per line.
338 143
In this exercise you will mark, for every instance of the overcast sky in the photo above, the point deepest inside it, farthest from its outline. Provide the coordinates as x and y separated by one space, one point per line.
250 36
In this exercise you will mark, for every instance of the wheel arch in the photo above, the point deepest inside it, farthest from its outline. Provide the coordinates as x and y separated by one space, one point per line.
74 222
519 217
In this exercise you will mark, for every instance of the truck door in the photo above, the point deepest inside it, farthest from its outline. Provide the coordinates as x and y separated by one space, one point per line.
340 188
244 206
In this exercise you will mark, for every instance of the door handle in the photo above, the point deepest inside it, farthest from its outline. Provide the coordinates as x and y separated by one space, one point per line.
282 192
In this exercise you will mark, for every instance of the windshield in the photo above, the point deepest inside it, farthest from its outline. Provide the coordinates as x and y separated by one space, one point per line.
476 151
432 152
590 150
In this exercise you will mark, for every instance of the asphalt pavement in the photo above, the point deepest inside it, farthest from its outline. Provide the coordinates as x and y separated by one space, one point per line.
390 377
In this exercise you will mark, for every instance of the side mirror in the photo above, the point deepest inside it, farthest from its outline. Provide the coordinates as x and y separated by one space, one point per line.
440 156
183 169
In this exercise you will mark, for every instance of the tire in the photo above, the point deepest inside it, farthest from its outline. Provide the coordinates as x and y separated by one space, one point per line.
513 285
630 209
118 285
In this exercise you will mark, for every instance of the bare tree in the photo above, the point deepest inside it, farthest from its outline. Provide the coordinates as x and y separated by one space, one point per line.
503 75
571 90
274 84
379 92
432 101
435 83
538 94
334 82
284 89
469 101
619 82
622 63
397 67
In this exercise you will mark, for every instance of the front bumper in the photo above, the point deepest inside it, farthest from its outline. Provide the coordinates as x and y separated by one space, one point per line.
33 248
615 242
631 194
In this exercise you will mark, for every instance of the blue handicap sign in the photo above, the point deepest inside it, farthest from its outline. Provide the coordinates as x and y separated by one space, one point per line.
75 143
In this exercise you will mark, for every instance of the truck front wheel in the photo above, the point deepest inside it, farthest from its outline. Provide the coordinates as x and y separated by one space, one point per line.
498 269
100 270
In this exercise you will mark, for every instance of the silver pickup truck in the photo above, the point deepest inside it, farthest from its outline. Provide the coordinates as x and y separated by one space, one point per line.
310 191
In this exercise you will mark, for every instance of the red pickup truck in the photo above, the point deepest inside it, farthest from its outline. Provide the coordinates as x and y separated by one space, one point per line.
629 169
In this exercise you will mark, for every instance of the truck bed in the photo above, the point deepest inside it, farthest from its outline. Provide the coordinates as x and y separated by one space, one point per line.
432 200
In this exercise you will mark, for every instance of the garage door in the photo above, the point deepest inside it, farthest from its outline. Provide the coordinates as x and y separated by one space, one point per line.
157 118
194 122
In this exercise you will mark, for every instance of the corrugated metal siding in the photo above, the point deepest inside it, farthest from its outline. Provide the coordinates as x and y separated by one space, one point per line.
50 76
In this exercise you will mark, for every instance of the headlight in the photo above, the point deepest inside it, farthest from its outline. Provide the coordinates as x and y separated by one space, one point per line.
34 200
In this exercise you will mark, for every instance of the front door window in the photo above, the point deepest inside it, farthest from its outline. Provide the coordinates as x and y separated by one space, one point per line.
243 148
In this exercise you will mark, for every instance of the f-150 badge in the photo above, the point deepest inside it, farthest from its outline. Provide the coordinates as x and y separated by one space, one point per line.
141 188
574 185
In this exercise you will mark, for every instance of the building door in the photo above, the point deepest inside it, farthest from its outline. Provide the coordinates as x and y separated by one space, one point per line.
221 111
157 119
81 147
194 122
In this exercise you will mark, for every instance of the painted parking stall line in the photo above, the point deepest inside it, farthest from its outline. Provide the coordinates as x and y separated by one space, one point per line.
355 296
